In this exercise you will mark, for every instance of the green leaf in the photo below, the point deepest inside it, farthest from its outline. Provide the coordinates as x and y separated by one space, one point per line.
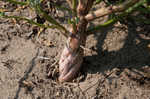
98 27
36 5
77 20
98 1
17 2
70 21
74 6
2 14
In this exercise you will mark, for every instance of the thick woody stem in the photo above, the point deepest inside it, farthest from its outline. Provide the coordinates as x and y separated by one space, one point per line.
82 10
72 55
84 7
109 10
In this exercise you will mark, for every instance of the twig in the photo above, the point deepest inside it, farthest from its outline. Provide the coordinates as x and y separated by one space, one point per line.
41 57
56 61
85 49
69 83
98 81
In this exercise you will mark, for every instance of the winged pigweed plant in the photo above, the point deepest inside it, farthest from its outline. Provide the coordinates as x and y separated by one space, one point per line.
80 15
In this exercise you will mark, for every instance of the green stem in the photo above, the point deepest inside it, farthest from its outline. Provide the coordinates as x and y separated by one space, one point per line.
29 21
100 26
74 7
17 2
51 20
35 4
74 14
115 19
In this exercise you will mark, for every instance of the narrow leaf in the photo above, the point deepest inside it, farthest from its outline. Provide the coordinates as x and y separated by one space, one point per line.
2 14
17 2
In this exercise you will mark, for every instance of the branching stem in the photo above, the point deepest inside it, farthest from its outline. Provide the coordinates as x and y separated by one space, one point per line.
109 10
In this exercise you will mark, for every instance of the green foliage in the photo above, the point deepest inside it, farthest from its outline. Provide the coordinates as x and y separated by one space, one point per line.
142 6
120 16
2 14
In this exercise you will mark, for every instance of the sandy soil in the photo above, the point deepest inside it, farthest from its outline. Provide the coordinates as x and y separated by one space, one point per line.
116 67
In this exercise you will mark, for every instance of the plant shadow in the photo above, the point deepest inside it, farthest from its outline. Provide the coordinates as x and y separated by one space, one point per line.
134 54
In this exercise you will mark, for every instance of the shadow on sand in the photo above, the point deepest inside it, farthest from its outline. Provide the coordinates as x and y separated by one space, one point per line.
131 56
